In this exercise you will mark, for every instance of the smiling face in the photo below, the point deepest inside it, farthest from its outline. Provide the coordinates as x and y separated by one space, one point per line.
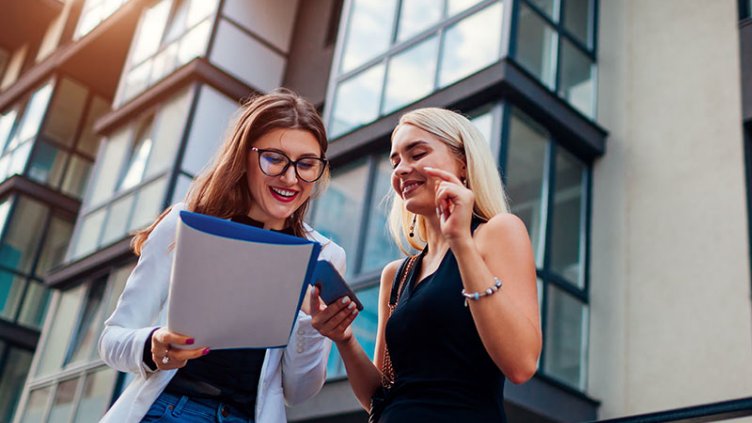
412 150
276 198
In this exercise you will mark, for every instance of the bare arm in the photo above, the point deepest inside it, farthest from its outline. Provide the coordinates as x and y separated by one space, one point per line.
508 321
333 322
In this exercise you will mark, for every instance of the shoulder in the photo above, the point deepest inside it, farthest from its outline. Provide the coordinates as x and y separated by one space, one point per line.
166 225
387 275
503 228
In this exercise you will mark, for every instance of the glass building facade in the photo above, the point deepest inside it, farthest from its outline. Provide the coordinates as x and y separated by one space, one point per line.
88 158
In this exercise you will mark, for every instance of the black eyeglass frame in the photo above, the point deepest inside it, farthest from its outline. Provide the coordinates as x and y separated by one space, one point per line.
290 161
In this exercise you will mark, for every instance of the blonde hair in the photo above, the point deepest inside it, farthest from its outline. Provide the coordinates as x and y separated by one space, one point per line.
222 189
471 148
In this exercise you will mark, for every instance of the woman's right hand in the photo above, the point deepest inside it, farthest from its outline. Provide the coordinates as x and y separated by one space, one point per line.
166 357
333 321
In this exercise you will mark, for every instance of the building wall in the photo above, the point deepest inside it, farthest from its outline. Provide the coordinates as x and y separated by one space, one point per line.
671 319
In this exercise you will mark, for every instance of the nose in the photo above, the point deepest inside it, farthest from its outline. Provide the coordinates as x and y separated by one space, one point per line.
402 168
289 176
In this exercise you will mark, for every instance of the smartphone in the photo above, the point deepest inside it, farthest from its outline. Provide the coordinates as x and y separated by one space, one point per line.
331 284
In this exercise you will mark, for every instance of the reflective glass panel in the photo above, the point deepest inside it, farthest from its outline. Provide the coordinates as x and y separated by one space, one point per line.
65 111
139 155
567 231
149 204
338 211
55 243
193 44
7 121
379 246
89 140
149 34
55 340
33 114
549 7
457 6
471 45
368 31
107 170
418 15
12 381
76 177
11 290
117 220
357 101
23 235
576 83
34 307
96 395
364 328
578 20
525 173
536 46
36 405
90 323
167 132
19 158
411 74
62 406
48 164
565 338
88 234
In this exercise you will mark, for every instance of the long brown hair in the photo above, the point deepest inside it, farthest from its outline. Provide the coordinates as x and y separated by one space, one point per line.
222 190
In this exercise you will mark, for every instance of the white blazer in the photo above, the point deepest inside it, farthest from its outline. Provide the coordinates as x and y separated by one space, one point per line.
290 375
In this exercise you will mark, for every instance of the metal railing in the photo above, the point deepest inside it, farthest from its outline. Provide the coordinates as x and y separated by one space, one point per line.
712 412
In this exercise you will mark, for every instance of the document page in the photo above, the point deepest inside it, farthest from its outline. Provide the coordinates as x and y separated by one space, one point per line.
236 286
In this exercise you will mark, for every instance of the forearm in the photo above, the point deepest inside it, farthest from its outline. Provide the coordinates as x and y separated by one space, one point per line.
364 377
511 339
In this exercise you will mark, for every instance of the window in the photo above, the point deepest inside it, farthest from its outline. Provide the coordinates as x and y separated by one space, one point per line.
436 43
40 136
68 381
170 34
547 188
22 132
129 183
32 235
14 366
93 13
555 42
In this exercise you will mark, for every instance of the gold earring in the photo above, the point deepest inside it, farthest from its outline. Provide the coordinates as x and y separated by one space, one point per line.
412 226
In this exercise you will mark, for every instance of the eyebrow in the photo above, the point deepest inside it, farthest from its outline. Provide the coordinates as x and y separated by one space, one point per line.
304 155
408 148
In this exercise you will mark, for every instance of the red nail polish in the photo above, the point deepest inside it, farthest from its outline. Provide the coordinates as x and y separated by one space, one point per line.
205 351
190 341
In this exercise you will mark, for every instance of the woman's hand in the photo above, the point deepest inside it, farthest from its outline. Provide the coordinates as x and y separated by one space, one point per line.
166 357
333 321
454 205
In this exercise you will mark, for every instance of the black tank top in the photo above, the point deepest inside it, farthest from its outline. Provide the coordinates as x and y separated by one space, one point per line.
442 371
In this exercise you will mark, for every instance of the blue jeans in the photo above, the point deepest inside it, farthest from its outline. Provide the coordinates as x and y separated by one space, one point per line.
180 408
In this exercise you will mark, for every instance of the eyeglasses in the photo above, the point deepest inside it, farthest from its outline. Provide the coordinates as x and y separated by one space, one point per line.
275 163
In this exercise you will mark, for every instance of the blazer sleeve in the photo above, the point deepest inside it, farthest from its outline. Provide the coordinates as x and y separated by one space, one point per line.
138 310
306 355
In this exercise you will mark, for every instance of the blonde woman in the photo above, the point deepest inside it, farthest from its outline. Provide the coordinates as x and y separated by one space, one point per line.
264 175
467 315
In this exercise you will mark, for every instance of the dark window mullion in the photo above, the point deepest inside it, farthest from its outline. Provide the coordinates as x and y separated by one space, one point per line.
360 244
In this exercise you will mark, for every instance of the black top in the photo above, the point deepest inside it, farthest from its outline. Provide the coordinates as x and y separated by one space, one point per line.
231 376
442 371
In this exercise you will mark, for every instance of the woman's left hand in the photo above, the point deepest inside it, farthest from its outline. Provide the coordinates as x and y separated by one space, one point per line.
454 205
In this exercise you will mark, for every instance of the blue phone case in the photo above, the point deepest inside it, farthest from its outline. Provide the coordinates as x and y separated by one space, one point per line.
331 284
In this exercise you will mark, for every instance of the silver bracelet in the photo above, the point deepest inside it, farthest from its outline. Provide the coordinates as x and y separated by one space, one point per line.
475 296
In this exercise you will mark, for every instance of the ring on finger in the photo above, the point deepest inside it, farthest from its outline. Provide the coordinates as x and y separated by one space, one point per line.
166 357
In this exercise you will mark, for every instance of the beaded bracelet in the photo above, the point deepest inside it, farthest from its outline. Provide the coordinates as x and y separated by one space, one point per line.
475 296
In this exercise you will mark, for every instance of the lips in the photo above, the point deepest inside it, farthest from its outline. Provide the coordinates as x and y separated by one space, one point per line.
283 195
409 186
